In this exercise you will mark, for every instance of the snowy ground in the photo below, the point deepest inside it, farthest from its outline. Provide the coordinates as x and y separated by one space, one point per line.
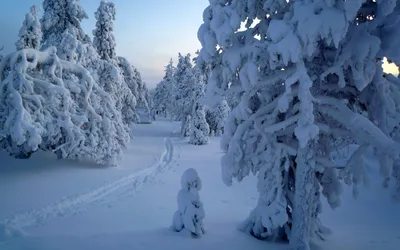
68 205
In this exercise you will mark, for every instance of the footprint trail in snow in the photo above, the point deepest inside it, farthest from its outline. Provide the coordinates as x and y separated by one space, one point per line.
76 204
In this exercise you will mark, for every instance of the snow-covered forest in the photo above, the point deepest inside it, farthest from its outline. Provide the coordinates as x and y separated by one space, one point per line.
63 92
283 127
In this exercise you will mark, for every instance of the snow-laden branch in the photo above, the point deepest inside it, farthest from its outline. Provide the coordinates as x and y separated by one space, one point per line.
362 128
56 105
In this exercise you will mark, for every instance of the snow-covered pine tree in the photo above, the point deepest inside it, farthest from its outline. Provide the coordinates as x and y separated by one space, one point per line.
1 55
73 103
190 213
210 119
199 129
303 77
103 36
149 99
185 79
142 95
30 34
216 117
160 100
221 113
57 106
186 126
129 77
146 101
164 96
62 19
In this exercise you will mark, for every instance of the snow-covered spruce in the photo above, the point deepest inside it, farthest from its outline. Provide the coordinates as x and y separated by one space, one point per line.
1 55
30 34
61 17
103 36
111 80
199 129
302 86
185 80
163 99
142 101
149 100
57 106
216 118
130 80
186 128
190 212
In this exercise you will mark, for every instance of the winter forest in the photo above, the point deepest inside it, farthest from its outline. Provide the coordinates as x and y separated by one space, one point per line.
282 131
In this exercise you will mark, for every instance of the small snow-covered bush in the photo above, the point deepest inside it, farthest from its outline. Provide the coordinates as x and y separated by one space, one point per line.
190 212
56 105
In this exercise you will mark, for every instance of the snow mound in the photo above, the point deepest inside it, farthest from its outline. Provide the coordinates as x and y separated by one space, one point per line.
190 212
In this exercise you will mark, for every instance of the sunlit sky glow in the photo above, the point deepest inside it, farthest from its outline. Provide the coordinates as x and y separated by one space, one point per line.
148 32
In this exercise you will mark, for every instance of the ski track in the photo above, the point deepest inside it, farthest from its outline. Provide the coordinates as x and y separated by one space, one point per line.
77 204
131 190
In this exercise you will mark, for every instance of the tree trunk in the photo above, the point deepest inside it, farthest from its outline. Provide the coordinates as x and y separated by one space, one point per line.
303 201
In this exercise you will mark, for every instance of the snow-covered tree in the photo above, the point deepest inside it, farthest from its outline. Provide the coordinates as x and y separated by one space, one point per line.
210 119
220 115
65 98
186 127
103 36
302 75
62 18
57 106
112 81
30 34
185 79
159 99
1 55
130 80
190 213
163 99
142 95
199 129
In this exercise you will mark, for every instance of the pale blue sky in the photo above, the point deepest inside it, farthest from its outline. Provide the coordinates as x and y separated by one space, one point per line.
148 32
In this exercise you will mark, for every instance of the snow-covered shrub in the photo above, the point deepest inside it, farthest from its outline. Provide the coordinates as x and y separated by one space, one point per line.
199 129
57 106
103 36
300 77
30 34
190 212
